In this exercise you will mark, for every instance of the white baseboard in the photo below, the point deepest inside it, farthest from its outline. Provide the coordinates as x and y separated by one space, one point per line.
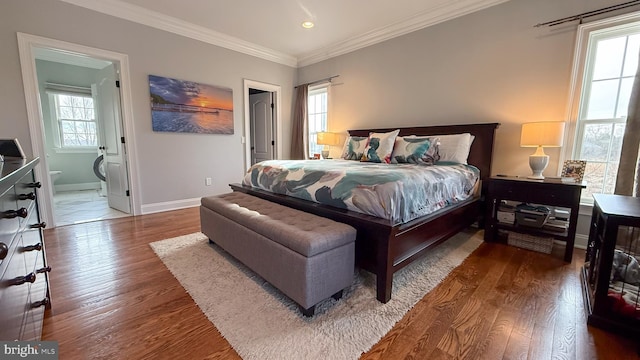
581 241
78 187
169 205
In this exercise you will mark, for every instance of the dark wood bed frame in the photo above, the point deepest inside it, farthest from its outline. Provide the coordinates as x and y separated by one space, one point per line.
383 248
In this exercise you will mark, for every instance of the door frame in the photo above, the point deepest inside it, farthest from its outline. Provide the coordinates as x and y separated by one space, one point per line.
276 90
26 45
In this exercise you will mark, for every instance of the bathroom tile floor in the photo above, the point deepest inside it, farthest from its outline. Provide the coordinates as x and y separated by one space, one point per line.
74 207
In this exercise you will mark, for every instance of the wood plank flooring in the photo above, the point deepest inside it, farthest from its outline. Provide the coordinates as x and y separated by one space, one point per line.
114 299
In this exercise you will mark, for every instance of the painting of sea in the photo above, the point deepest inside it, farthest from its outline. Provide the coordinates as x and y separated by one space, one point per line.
189 107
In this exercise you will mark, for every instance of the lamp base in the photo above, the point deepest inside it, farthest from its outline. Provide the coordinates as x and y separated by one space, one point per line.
325 154
536 177
538 163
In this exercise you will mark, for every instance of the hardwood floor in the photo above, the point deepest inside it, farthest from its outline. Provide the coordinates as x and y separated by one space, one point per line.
112 298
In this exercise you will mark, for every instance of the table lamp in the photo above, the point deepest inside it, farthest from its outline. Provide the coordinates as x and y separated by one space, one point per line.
540 135
328 139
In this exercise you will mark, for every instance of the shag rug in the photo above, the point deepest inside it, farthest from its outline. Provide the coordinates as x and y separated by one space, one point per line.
262 323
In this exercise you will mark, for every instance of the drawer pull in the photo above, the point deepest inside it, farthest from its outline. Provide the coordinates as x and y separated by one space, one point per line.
10 214
29 196
23 279
43 270
41 225
36 184
37 246
4 250
42 302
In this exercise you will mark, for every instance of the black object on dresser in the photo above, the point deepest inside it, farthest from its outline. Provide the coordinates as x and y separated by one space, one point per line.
24 281
611 274
541 192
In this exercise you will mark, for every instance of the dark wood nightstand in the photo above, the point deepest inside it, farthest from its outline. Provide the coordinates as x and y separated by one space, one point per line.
557 194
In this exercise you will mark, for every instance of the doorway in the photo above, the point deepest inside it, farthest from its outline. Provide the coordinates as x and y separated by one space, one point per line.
263 130
262 141
84 160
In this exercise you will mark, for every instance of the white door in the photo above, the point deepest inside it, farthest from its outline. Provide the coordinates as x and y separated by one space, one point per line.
115 166
262 140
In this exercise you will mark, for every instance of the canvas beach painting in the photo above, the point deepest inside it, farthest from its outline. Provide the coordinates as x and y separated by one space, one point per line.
186 106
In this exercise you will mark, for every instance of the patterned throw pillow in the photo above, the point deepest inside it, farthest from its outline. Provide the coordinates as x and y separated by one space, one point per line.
379 147
354 147
415 150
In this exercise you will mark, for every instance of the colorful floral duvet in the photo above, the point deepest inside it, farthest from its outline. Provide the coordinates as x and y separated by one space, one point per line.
398 192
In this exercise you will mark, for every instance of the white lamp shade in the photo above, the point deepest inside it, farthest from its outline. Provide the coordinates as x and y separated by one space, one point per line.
546 134
328 138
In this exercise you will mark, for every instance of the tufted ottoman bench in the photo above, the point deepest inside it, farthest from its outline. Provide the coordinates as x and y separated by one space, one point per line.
307 257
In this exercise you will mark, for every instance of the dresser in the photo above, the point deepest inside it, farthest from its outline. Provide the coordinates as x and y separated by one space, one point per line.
24 282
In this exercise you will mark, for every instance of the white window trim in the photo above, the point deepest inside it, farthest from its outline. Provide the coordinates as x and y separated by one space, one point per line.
577 76
324 85
55 125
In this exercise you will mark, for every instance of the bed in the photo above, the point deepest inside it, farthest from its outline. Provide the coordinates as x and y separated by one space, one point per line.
386 245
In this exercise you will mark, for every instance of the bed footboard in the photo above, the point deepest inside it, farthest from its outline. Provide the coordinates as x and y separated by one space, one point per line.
382 248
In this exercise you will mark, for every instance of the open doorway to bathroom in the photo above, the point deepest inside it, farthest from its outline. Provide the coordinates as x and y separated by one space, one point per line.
78 132
69 123
75 106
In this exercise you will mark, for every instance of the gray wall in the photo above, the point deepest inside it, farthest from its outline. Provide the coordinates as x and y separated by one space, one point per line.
172 166
77 168
489 66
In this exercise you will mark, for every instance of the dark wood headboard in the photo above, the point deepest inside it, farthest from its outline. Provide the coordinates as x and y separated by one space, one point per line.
481 149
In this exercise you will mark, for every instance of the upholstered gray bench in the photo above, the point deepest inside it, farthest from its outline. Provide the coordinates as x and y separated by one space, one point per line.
307 257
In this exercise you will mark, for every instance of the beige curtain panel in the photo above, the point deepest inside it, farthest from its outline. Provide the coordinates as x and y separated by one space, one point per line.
627 182
299 141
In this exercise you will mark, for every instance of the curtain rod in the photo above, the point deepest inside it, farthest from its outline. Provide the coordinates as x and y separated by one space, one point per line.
589 14
323 80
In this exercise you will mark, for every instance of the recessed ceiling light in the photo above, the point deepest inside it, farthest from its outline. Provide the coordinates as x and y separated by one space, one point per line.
308 24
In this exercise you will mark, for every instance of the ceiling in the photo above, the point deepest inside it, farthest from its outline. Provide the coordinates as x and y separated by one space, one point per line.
272 29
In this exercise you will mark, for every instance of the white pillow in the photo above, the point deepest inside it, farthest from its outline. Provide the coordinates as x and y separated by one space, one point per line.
454 148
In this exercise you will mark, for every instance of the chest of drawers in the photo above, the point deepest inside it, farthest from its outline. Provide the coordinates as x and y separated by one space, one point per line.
24 283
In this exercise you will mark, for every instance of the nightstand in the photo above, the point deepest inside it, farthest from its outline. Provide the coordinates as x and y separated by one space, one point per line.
523 190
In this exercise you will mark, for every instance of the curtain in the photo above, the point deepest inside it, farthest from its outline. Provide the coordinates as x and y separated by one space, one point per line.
299 133
628 181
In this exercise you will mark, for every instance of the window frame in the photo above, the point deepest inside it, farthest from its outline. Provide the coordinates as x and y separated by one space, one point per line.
56 123
581 64
318 88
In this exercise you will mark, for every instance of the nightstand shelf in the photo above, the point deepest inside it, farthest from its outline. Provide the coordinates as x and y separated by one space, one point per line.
533 231
554 194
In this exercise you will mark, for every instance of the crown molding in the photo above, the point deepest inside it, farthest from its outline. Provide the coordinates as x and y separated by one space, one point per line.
433 16
160 21
156 20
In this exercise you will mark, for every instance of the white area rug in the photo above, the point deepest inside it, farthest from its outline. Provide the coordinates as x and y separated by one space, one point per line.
261 323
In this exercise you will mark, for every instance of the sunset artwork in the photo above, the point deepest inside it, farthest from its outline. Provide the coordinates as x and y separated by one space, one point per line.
186 106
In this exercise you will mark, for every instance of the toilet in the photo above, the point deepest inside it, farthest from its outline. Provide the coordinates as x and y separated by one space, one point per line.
54 175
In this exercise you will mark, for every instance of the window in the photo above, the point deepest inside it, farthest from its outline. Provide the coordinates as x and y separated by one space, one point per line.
75 119
610 62
317 108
